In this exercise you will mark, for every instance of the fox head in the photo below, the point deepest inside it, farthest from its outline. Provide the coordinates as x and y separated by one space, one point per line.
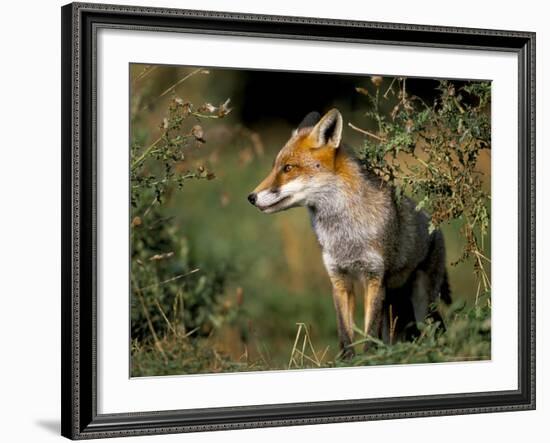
304 167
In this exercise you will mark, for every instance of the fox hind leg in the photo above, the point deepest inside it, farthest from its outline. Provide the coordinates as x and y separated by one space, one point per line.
431 282
420 296
399 309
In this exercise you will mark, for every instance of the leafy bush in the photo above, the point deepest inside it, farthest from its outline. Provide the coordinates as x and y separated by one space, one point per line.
431 151
171 293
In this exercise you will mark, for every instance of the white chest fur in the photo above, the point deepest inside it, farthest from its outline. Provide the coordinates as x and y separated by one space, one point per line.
348 238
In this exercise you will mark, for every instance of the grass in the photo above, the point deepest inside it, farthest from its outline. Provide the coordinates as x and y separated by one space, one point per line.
466 338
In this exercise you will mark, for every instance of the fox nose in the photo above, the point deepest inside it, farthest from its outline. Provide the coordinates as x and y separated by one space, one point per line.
252 198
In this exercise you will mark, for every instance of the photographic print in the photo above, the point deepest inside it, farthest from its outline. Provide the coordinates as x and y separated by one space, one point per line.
289 220
254 201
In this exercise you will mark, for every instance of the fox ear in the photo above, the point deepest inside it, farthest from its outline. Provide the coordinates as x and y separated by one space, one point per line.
310 120
328 132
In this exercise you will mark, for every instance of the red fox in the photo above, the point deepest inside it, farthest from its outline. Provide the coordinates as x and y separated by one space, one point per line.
370 242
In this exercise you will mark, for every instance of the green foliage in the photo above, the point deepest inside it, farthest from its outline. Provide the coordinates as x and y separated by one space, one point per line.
171 292
467 338
180 356
431 151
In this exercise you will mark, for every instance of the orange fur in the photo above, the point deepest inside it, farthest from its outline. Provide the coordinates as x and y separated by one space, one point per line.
306 159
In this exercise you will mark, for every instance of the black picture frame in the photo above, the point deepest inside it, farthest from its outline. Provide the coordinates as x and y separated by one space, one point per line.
79 171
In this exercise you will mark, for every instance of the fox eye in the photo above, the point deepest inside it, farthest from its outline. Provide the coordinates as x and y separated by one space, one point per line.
287 168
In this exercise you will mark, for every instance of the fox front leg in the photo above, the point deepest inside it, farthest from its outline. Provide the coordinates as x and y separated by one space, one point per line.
374 294
344 303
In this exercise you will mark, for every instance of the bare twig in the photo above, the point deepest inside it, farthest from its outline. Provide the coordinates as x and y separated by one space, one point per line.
177 277
164 316
294 346
146 71
303 349
155 200
389 88
149 322
307 357
324 354
481 255
297 356
191 74
192 331
370 134
145 153
393 324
